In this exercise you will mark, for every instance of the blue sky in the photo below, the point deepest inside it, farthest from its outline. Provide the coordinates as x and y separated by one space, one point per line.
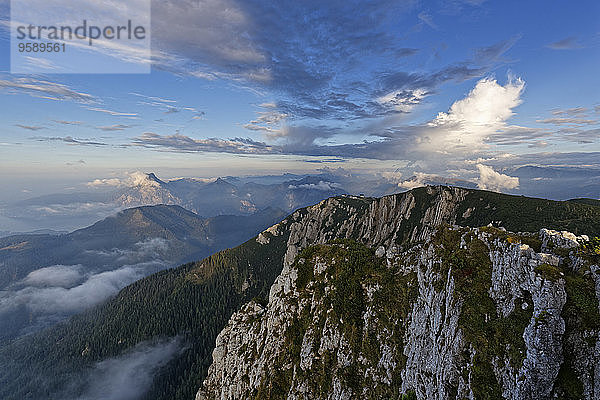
245 87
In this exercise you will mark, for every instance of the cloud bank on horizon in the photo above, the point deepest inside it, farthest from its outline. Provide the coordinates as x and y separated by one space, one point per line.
458 89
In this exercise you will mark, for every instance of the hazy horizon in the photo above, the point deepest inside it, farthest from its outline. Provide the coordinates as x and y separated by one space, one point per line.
399 91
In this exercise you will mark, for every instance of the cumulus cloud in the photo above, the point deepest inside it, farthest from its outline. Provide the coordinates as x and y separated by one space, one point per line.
129 376
470 121
492 180
418 180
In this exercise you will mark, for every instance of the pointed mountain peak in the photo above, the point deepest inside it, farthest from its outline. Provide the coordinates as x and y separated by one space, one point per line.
221 181
152 176
142 179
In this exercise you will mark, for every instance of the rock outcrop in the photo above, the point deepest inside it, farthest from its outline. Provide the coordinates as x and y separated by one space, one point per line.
385 298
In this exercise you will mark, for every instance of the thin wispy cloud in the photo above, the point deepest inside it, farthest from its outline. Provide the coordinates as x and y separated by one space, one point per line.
63 122
171 110
573 112
41 63
569 43
112 112
182 143
158 100
78 162
45 89
116 127
268 121
496 52
168 106
427 19
130 375
71 141
568 121
30 127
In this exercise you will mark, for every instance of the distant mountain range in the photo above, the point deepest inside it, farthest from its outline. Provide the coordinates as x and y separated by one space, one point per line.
434 293
246 195
222 196
558 182
42 276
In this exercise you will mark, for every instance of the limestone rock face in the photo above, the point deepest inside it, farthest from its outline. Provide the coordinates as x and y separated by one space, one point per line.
380 298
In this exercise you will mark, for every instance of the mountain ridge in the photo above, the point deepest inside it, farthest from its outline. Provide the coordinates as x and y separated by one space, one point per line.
105 257
439 320
229 279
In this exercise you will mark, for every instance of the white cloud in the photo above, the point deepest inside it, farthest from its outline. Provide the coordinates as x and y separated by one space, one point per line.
268 121
136 178
64 276
492 180
148 250
60 300
129 376
427 19
45 89
322 185
418 180
470 121
392 176
105 182
40 63
403 100
153 246
113 113
71 209
30 127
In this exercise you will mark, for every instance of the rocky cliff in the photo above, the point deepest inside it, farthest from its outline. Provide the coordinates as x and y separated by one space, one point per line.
391 298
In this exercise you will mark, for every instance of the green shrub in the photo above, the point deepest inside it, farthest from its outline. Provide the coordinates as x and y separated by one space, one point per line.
549 272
